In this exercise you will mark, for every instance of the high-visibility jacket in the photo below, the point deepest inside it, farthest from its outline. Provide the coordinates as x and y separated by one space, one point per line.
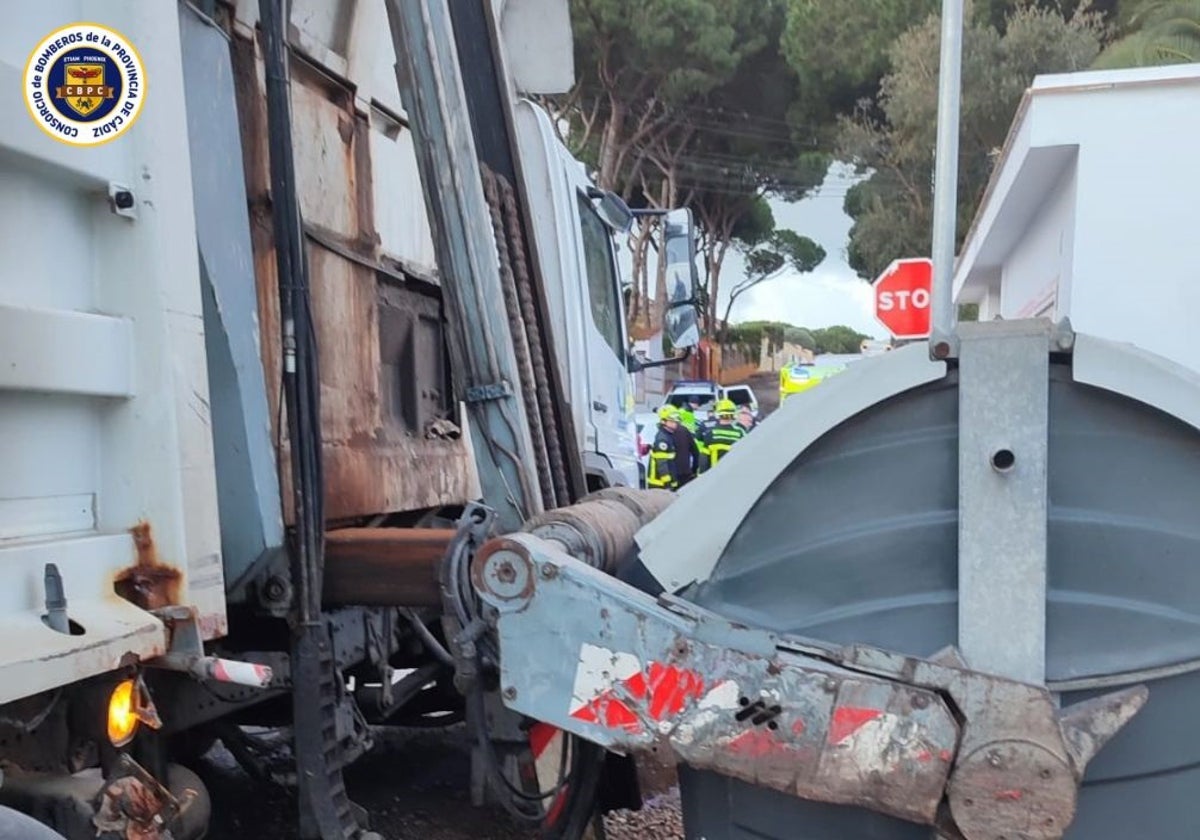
688 418
661 472
719 439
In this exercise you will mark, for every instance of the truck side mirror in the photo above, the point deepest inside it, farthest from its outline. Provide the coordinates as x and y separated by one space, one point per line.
681 318
682 325
612 210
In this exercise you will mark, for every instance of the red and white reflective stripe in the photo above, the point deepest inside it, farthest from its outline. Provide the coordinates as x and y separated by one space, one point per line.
848 720
612 689
547 744
240 673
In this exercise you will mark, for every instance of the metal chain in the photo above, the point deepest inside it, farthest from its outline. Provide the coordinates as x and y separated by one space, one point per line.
524 284
525 368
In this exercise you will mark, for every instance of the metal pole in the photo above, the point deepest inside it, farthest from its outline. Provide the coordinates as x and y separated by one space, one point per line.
945 183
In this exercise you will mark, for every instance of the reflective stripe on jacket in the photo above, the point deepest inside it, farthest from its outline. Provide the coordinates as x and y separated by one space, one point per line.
720 439
661 472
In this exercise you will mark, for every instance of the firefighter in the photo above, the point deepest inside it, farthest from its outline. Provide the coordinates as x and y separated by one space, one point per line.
662 452
720 437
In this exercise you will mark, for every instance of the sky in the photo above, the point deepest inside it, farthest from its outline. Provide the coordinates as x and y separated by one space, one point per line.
833 293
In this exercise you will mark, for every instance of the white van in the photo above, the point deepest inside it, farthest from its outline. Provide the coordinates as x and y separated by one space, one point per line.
708 393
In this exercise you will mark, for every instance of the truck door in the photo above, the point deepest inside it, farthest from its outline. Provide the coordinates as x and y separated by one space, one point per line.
610 411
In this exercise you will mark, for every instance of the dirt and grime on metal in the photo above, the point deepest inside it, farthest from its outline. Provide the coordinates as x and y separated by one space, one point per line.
415 786
150 583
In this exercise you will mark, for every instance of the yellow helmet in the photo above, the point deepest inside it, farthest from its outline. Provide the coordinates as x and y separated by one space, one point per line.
668 412
725 408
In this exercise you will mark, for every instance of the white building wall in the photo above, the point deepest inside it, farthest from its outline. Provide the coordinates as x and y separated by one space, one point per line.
1137 266
989 305
1113 244
1041 259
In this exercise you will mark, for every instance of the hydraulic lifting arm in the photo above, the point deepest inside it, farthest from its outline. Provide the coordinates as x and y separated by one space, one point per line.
929 741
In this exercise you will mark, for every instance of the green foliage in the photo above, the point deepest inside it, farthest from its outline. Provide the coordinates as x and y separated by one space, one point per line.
997 12
894 137
839 51
749 335
762 262
838 339
756 225
801 336
835 339
803 254
782 251
683 102
1156 32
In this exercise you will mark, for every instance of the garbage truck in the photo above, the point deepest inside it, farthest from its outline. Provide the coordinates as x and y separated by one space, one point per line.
232 355
268 473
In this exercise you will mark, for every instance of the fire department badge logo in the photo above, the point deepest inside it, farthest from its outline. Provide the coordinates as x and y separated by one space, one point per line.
84 84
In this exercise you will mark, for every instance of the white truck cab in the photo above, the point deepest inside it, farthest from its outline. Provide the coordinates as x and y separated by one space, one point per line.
576 250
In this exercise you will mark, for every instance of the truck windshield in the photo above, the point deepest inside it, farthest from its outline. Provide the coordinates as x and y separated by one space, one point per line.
602 278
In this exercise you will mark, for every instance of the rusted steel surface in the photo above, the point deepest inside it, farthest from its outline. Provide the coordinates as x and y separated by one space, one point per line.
623 672
856 726
133 805
389 423
149 582
384 566
1020 757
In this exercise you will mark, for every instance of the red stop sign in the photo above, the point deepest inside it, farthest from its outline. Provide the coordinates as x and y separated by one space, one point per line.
903 297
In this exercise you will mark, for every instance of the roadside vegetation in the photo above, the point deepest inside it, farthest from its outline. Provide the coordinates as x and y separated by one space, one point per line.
719 105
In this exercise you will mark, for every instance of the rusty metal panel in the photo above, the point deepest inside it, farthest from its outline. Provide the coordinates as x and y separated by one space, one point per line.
385 566
392 437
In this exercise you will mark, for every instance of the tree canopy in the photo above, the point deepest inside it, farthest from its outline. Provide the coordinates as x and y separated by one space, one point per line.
780 252
720 105
893 137
835 339
685 103
838 339
1155 32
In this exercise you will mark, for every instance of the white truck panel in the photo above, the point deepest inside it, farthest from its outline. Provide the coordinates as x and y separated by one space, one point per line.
104 413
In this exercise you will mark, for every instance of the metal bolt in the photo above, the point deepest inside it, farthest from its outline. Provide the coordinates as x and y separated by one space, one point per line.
941 350
274 589
830 684
506 572
920 701
1066 341
510 693
123 199
549 571
993 758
